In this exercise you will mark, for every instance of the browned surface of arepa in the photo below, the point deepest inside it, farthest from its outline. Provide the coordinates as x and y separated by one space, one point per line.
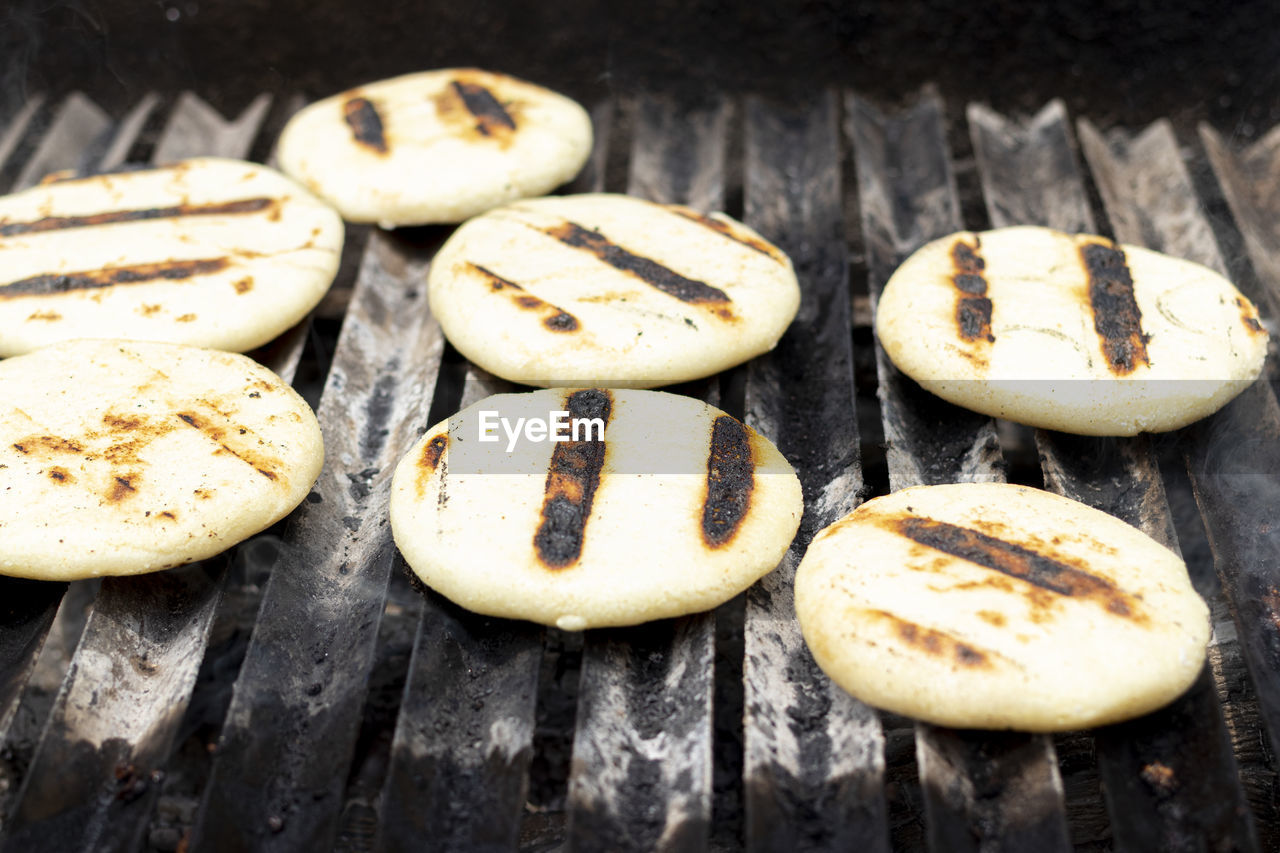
207 252
671 507
121 457
1001 607
1069 331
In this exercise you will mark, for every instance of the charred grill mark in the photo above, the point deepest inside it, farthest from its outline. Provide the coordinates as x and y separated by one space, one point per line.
492 119
730 481
113 217
973 313
218 435
48 444
44 285
365 123
934 642
67 176
554 318
572 479
122 487
725 230
431 454
649 271
1116 317
428 464
973 307
60 475
1045 573
1248 316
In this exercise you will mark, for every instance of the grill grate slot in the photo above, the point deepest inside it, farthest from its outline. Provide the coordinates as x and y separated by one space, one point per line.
816 763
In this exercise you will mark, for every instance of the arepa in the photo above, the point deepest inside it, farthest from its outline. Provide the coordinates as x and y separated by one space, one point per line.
1069 332
610 290
119 457
660 506
436 146
997 606
206 252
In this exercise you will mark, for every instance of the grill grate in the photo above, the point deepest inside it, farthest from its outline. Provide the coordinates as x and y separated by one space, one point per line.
654 763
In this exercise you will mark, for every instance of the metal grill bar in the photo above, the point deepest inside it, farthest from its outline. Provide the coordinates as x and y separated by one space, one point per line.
814 756
286 744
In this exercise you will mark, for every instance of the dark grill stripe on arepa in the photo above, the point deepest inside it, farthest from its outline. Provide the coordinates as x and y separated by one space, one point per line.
1116 317
973 306
572 479
51 283
730 481
1050 573
366 124
492 118
647 270
724 230
554 318
934 642
113 217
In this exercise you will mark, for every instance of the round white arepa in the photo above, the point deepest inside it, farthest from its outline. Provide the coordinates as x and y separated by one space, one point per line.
436 146
609 290
996 606
1069 331
207 252
119 457
668 506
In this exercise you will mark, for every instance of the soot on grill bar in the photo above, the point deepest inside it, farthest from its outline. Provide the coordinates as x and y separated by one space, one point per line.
188 710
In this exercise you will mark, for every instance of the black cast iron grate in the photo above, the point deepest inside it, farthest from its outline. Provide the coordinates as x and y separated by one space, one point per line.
336 737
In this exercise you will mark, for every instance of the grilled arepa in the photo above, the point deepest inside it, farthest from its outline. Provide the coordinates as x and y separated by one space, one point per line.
435 147
657 505
996 606
207 252
1069 332
118 457
612 290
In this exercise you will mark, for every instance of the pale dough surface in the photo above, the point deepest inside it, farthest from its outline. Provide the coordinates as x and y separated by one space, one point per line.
207 252
119 458
1089 623
610 290
466 516
436 146
1045 363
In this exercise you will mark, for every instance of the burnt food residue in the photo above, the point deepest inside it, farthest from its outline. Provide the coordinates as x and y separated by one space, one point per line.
554 318
725 230
44 285
365 123
572 480
730 480
973 306
647 270
1050 574
112 217
1116 317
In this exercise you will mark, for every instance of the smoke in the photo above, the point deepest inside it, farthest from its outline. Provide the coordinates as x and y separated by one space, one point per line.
30 29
